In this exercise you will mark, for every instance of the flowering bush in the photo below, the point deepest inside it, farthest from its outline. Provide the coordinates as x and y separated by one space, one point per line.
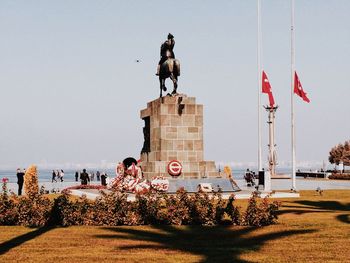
110 210
261 214
149 207
8 209
31 186
177 209
114 209
5 180
78 212
338 176
33 211
201 209
4 186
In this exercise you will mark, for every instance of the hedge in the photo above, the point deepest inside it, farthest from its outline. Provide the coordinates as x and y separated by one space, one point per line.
114 209
339 176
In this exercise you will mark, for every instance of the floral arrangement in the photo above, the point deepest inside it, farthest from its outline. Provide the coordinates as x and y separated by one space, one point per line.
119 171
142 188
129 180
160 183
129 183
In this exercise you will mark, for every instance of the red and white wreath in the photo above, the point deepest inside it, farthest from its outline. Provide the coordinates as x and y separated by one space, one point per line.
142 187
160 183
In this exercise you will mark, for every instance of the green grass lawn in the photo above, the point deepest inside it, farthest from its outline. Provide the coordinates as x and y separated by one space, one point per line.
312 228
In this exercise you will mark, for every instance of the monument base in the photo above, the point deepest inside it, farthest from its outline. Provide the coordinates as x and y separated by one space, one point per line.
174 131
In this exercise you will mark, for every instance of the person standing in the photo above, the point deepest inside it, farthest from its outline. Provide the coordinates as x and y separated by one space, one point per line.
98 175
54 176
57 175
20 180
103 179
76 176
92 176
61 175
84 177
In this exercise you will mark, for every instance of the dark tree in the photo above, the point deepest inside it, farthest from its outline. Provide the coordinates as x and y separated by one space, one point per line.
340 154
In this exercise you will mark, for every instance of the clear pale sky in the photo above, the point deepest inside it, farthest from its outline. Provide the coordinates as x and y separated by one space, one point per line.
71 91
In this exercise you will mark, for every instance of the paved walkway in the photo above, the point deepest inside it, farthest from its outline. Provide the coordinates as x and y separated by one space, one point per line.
303 184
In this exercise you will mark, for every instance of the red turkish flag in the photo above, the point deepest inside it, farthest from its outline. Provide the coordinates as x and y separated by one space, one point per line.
266 88
298 88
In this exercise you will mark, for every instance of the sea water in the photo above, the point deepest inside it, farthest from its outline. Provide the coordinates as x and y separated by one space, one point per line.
45 175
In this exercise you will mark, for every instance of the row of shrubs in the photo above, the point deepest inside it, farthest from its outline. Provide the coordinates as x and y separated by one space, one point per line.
149 209
340 176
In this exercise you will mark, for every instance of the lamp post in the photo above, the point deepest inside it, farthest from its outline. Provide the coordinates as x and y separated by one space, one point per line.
272 147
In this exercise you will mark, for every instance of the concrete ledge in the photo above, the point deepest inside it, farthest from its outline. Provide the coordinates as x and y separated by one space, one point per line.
264 194
93 194
89 195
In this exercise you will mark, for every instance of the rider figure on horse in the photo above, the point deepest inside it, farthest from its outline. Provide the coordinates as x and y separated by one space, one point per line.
166 51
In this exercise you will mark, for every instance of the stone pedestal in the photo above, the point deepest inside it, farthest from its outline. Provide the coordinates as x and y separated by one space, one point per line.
174 131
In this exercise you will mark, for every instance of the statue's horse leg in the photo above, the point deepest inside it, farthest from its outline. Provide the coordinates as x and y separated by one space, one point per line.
162 86
174 79
175 72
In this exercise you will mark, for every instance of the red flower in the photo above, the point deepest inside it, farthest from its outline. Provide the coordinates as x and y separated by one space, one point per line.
5 180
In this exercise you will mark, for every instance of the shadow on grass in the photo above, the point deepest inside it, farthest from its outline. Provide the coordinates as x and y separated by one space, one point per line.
331 206
297 211
325 205
345 218
17 241
306 206
215 244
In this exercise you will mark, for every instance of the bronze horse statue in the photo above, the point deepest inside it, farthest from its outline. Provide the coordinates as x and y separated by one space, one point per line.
169 69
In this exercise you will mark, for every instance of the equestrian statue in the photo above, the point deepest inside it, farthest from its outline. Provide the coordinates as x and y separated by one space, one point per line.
168 66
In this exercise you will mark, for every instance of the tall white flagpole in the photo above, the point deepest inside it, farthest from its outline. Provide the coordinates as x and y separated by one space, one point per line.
259 84
292 95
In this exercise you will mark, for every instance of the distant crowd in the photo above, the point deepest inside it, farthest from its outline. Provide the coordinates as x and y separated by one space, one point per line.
86 178
57 175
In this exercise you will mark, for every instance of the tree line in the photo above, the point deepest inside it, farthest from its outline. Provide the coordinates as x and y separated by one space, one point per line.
340 154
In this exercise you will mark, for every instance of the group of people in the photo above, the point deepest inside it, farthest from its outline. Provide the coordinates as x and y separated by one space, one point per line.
86 177
20 179
250 177
57 175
